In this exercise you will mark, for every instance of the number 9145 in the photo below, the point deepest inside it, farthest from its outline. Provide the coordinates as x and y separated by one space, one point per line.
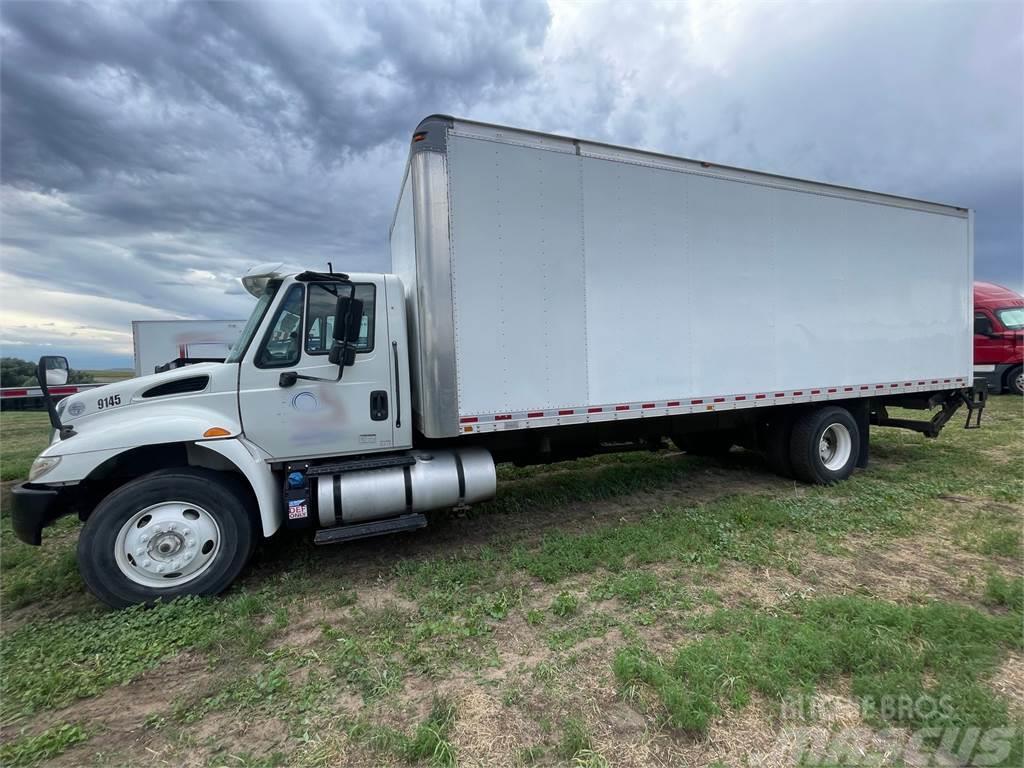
109 401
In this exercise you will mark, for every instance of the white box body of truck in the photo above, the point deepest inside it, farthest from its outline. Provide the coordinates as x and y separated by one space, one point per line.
553 281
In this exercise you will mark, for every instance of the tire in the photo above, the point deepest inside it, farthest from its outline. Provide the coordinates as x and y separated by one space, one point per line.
717 443
1015 381
824 446
171 533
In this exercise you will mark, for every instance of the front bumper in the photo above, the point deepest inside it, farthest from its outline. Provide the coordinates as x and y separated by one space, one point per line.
35 507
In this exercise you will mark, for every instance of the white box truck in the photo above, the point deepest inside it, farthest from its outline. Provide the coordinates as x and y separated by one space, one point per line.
549 298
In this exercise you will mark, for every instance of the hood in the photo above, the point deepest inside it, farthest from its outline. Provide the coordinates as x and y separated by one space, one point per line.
181 383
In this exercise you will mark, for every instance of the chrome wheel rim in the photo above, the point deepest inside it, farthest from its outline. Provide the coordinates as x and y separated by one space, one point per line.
835 447
1020 381
167 544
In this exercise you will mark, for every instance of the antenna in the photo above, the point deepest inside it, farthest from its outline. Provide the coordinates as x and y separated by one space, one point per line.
330 268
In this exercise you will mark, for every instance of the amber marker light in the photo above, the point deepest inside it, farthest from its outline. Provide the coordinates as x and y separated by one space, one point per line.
216 432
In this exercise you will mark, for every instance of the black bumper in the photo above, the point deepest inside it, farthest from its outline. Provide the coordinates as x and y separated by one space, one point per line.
35 507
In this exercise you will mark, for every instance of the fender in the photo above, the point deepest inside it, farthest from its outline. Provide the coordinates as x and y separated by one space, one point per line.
249 461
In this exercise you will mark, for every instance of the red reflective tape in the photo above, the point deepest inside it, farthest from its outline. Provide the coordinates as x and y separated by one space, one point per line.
920 383
672 403
719 399
468 420
815 391
759 397
831 390
696 402
566 412
780 394
503 417
594 410
908 384
847 389
14 393
621 407
741 397
893 386
63 390
534 414
946 381
879 386
647 405
798 392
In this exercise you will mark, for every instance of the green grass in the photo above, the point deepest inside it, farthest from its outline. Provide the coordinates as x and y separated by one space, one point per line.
23 434
31 750
890 652
604 573
49 664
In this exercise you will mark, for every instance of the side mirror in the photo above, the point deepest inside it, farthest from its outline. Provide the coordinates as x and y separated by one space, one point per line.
52 371
348 319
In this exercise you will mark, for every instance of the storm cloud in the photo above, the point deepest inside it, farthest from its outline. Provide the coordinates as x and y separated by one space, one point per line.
151 152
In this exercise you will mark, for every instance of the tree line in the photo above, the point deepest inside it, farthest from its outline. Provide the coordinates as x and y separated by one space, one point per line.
15 372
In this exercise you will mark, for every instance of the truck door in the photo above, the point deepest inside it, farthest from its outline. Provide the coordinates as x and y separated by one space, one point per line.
318 418
988 345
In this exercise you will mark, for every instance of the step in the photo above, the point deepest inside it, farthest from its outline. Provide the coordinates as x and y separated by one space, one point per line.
372 528
358 465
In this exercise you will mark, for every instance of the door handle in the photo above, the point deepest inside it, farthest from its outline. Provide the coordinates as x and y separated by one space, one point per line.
378 405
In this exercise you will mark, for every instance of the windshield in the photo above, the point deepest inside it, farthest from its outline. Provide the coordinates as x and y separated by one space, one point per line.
253 323
1012 319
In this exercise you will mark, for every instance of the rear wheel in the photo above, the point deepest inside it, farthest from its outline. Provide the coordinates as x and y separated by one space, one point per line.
171 533
1015 381
824 446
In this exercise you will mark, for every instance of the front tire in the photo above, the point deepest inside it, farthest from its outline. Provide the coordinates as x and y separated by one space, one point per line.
1015 381
824 446
167 534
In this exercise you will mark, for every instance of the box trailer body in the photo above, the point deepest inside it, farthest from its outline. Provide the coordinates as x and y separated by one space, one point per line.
155 343
550 298
553 281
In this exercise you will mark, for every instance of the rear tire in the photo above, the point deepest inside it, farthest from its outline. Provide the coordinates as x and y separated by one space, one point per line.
171 533
1015 381
824 446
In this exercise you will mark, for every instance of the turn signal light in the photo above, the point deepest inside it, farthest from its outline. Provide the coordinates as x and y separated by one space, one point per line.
216 432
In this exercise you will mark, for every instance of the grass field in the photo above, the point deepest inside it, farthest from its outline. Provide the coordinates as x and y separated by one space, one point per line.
642 609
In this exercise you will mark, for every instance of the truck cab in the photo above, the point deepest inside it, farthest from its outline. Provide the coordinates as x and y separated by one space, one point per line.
999 337
306 424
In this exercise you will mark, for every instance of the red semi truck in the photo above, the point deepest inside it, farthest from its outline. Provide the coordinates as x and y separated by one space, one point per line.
999 337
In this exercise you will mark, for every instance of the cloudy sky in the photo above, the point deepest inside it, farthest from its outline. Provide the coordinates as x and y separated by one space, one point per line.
152 151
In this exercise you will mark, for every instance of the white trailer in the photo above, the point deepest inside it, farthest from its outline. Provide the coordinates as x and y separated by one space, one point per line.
550 298
157 343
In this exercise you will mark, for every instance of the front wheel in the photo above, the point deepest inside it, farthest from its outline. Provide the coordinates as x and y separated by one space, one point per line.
1015 381
168 534
824 446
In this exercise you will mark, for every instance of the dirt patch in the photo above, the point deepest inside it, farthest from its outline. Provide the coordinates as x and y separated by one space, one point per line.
1008 681
914 568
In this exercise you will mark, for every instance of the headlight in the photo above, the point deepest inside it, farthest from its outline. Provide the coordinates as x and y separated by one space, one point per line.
41 466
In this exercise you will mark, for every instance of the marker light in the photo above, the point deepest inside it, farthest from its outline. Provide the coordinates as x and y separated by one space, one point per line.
216 432
41 466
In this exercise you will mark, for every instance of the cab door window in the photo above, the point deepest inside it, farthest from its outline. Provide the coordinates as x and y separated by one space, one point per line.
320 311
281 345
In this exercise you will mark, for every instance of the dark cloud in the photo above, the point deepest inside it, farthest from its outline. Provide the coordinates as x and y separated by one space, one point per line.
153 151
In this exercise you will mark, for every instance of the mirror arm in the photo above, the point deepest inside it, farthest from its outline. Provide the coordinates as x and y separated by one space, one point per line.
288 378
